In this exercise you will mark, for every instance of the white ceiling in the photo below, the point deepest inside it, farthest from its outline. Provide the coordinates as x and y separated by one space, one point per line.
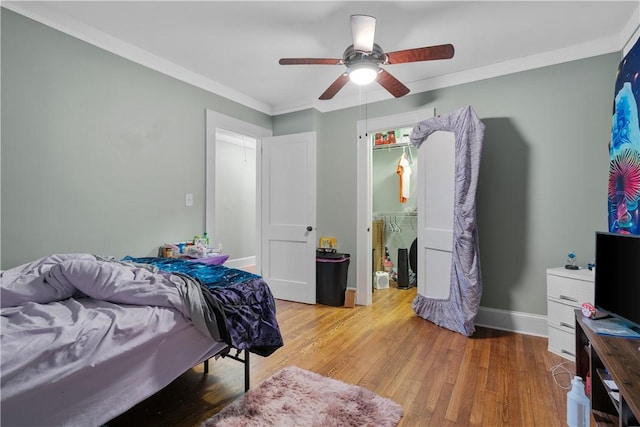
232 47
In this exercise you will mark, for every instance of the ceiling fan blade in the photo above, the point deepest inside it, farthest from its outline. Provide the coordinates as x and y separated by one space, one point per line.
429 53
304 61
391 84
363 28
335 86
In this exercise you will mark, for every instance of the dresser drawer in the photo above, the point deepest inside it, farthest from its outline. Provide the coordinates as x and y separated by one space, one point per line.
561 315
569 291
566 291
562 343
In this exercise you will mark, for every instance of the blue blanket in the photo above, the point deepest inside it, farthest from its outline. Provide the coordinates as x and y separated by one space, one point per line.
211 276
245 299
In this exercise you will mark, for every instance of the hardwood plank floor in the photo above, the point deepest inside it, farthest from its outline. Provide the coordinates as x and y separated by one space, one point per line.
441 378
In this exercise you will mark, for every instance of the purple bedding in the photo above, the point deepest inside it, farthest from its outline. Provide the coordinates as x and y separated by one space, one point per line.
88 337
246 302
84 339
59 277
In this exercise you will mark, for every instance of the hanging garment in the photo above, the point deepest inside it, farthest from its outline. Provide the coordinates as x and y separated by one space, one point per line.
404 172
459 311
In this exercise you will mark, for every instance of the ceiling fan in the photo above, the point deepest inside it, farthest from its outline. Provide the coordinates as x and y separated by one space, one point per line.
364 57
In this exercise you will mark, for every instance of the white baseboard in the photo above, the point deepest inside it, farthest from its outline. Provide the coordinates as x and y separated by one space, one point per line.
513 321
241 262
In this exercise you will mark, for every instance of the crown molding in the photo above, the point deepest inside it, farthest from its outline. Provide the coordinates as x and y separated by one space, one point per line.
121 48
621 42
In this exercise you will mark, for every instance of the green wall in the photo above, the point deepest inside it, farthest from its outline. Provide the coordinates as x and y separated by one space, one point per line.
543 178
98 152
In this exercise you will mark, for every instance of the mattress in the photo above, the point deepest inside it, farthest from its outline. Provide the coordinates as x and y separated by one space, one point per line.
84 373
84 339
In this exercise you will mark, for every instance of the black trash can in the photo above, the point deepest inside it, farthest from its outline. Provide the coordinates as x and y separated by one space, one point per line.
331 278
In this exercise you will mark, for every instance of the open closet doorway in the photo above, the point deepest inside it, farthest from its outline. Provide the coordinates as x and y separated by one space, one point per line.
394 169
383 220
232 196
234 214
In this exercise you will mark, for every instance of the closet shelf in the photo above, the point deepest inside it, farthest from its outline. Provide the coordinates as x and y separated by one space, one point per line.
398 214
392 146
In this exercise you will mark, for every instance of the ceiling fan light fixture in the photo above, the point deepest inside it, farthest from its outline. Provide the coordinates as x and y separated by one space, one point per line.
364 57
363 73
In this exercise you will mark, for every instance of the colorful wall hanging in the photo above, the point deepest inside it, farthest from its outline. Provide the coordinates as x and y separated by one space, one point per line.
624 148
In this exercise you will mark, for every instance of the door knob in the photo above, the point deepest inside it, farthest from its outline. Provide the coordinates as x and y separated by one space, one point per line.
309 228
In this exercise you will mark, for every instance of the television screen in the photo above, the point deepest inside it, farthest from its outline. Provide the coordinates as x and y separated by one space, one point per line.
617 276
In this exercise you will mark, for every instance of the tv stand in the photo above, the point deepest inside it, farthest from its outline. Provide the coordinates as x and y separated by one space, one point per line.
607 357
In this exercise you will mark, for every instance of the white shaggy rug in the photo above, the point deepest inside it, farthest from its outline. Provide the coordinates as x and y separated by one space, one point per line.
296 397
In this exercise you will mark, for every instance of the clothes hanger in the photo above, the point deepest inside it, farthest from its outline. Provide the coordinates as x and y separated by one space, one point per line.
392 225
395 219
404 154
388 224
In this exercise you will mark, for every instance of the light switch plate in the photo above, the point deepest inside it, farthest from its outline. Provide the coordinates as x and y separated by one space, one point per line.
188 199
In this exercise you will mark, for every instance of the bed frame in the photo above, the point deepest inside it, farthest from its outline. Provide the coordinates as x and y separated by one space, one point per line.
244 360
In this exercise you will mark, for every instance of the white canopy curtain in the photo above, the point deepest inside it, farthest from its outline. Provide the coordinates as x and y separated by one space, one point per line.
459 311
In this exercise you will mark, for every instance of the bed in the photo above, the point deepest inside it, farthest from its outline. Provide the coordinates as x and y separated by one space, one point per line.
84 338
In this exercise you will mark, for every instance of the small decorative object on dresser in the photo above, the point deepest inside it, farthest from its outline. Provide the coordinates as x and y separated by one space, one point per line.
566 291
571 262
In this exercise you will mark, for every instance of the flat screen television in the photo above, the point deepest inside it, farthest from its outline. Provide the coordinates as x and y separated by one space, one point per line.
617 276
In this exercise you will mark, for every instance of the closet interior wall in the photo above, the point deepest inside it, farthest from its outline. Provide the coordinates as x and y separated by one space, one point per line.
399 218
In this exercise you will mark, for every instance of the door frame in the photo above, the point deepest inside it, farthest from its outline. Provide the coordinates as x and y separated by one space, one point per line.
213 121
366 127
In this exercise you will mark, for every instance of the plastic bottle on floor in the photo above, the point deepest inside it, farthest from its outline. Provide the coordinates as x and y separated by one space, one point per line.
578 405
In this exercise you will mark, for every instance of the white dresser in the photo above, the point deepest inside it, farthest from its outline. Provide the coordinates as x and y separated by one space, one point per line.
566 291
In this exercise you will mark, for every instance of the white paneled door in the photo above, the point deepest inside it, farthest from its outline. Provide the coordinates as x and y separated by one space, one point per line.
436 175
288 222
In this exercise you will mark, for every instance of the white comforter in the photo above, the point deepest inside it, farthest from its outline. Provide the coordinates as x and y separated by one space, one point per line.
69 313
58 277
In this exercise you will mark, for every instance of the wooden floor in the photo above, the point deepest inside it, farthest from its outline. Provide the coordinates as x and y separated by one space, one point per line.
441 378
